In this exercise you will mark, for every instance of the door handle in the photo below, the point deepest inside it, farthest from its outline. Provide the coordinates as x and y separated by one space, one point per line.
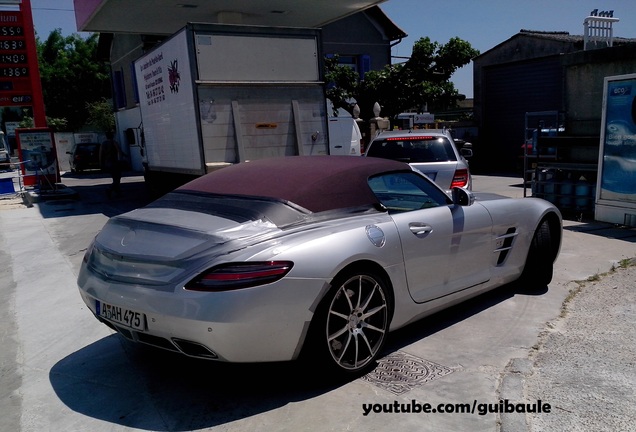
420 228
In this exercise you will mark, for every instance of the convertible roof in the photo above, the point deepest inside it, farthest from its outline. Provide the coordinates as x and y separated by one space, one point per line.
316 183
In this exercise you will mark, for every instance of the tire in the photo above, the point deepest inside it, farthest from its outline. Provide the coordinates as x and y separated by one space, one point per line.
538 270
351 324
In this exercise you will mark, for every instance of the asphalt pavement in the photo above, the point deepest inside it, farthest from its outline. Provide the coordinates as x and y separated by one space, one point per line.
571 347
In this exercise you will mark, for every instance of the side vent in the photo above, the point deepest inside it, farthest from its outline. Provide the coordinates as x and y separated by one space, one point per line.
504 243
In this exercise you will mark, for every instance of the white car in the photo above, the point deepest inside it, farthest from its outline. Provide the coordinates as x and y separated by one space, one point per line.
430 151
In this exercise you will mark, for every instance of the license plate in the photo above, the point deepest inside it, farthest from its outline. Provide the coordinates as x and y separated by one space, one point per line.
121 315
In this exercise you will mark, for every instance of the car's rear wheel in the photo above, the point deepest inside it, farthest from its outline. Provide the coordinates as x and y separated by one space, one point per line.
352 321
538 270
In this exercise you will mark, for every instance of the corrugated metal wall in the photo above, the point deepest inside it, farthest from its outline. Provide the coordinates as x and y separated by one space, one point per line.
509 91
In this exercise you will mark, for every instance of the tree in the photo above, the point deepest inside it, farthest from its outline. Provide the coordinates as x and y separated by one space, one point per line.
423 80
56 124
72 75
100 115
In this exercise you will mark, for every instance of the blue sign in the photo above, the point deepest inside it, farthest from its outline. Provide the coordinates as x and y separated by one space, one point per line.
618 180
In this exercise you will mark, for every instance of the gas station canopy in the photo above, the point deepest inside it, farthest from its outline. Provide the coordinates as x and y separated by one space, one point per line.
168 16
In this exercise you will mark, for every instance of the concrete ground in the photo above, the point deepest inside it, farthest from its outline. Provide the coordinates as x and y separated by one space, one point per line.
584 362
62 370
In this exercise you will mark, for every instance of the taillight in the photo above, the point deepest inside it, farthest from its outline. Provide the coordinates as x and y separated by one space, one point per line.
460 179
239 275
88 252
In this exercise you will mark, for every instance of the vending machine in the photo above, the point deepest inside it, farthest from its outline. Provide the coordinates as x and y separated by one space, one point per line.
616 187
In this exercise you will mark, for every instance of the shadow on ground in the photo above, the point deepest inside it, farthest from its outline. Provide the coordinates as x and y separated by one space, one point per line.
144 388
91 196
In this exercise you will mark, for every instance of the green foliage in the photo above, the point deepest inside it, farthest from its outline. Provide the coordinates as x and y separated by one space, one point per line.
53 123
100 115
57 124
27 122
422 80
72 75
343 81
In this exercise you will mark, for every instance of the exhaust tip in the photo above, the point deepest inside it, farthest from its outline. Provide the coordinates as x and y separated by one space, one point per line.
194 349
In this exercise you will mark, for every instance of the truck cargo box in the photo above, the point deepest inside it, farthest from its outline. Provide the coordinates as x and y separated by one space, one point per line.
213 95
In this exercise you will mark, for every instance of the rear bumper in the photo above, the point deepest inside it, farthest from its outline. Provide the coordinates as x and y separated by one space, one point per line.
261 324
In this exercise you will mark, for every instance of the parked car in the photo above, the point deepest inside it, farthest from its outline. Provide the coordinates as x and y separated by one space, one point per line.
311 256
84 156
432 152
5 157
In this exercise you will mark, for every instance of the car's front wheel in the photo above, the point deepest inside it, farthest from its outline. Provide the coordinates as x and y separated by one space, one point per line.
352 321
538 270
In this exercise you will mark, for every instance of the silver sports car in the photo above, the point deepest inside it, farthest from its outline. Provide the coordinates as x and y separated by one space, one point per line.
319 255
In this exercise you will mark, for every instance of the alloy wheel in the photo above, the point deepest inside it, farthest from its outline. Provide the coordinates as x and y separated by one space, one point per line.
357 322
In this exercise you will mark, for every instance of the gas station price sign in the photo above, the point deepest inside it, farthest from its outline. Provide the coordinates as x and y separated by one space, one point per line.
16 31
13 46
15 58
14 72
19 73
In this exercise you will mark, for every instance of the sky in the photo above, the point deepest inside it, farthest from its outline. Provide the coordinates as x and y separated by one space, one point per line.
51 14
482 23
487 23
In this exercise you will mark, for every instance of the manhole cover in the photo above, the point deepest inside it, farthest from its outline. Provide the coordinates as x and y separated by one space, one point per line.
400 372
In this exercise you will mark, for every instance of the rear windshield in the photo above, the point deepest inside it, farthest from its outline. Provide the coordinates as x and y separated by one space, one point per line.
413 149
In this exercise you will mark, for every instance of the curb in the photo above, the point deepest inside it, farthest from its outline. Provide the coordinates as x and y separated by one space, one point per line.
61 192
511 388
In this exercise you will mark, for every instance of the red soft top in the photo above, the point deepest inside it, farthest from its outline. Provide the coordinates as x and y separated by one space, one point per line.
316 183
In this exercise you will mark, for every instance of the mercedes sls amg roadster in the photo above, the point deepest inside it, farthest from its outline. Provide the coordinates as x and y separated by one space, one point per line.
267 260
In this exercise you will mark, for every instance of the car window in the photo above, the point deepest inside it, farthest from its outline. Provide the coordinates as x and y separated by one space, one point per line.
414 149
407 191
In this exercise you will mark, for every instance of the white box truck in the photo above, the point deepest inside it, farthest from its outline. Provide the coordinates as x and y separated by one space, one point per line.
213 95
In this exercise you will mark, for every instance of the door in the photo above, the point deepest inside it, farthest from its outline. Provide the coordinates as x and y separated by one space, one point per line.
447 247
426 244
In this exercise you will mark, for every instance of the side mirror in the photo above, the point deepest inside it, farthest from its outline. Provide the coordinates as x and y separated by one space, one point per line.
462 197
466 152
